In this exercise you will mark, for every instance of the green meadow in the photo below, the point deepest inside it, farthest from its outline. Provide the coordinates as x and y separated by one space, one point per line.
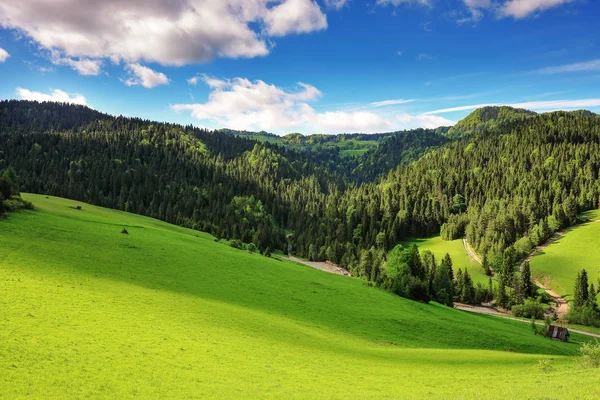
456 249
558 264
166 312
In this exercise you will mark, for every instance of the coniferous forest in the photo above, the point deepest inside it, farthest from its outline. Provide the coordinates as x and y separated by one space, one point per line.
506 179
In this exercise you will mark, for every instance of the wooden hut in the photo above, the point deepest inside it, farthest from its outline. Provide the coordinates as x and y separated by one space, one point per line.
557 333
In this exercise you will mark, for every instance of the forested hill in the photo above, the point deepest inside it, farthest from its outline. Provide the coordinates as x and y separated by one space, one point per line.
507 186
488 118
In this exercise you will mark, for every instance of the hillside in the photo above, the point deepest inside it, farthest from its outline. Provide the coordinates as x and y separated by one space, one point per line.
175 312
559 263
506 189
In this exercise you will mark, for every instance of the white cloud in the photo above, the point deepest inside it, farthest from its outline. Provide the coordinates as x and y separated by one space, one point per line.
593 65
177 32
409 121
531 105
145 76
242 104
295 16
396 3
523 8
3 55
84 66
337 4
56 95
193 80
390 102
476 8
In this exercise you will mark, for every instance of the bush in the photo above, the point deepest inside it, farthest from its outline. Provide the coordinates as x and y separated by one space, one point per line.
529 309
251 248
585 315
236 244
590 355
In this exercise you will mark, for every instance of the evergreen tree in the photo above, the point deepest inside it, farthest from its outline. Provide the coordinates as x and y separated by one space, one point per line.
581 294
443 288
527 285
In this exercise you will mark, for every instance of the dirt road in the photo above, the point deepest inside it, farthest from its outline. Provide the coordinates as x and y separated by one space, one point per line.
323 266
562 307
495 313
470 251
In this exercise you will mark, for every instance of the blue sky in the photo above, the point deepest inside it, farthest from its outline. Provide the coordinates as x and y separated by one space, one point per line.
324 66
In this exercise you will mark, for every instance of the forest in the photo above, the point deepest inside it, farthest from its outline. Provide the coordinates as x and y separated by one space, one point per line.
506 179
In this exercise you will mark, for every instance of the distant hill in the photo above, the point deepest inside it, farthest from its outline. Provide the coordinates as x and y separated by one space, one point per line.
487 118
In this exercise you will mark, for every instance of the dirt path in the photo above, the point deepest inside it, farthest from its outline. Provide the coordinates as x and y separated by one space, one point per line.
470 251
323 266
495 313
562 307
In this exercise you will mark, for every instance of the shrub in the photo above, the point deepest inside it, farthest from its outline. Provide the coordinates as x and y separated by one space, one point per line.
236 244
590 355
529 309
251 248
585 315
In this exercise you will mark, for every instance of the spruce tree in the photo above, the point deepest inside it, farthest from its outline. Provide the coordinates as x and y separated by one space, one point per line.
527 285
447 262
581 294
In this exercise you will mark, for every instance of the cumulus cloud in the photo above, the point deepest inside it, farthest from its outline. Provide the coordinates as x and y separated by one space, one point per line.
56 95
171 33
523 8
3 55
531 105
295 16
148 78
242 104
593 65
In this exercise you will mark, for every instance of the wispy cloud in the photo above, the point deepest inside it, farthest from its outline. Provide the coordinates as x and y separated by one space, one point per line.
587 66
425 57
390 102
524 8
530 105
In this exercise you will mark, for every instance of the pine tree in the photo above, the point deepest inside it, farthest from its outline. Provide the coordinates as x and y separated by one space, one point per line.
447 262
443 289
581 294
486 265
527 285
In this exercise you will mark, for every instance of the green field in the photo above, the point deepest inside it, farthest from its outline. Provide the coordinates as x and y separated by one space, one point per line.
558 264
165 312
460 258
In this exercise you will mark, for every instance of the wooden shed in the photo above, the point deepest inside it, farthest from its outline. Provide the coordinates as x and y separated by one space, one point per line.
558 333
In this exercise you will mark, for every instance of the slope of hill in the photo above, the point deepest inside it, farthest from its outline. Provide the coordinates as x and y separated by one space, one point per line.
168 312
559 263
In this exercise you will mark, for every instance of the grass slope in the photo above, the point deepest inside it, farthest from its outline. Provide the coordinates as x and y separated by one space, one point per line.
558 264
456 249
165 312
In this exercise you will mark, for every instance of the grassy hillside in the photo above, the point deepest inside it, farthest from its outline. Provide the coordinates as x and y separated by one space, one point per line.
560 262
456 249
166 312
